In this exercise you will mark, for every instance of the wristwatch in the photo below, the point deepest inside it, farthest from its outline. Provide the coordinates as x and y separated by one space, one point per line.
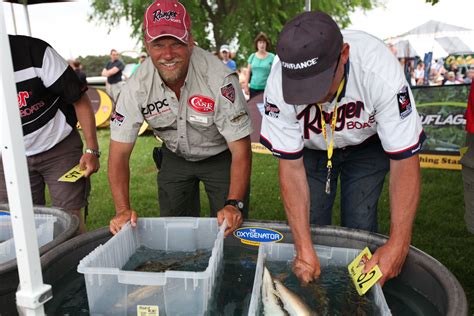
237 203
93 152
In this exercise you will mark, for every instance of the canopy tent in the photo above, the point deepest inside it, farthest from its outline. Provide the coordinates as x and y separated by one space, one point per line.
433 36
32 293
25 4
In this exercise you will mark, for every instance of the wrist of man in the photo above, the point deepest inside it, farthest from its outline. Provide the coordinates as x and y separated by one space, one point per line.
238 204
94 152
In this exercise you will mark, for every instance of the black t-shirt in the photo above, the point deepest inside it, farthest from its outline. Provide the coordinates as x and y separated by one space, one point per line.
118 76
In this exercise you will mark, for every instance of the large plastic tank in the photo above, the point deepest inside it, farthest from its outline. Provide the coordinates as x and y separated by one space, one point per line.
65 227
421 273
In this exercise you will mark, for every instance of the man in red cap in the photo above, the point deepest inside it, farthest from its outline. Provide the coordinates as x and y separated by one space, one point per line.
338 107
195 106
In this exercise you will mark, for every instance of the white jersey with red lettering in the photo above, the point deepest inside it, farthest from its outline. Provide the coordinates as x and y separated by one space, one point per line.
375 101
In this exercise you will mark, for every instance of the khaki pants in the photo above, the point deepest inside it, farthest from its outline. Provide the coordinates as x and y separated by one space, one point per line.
467 162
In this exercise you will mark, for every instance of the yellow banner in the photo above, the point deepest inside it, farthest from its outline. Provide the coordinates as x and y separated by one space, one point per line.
260 149
440 161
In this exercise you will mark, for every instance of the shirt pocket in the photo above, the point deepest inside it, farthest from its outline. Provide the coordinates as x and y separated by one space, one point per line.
199 121
163 121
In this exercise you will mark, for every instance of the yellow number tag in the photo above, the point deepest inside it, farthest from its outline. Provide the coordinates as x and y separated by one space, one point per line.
148 310
72 175
363 281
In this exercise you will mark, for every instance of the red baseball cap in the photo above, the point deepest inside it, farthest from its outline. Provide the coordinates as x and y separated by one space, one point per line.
166 18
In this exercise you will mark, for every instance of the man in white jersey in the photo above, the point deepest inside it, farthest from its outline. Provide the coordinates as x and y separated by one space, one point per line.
195 106
338 106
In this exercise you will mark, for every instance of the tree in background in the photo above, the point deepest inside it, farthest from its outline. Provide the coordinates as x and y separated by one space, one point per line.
216 22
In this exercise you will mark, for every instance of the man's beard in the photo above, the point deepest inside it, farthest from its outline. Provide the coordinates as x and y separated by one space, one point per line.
172 77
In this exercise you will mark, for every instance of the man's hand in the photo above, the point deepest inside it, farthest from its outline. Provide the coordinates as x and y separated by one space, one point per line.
233 217
390 259
121 218
306 267
90 163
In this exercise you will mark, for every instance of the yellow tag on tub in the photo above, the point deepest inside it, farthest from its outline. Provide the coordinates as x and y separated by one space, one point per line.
72 175
148 310
363 281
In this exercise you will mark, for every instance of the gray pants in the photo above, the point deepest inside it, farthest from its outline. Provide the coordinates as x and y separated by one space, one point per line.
178 184
467 162
113 90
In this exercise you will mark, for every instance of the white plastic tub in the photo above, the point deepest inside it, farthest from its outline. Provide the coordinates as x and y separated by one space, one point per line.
328 256
111 290
44 229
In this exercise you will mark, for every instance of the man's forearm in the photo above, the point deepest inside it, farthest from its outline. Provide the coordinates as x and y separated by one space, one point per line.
404 197
119 175
240 168
86 118
295 195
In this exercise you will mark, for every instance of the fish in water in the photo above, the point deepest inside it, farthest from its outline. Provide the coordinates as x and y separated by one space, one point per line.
278 300
173 263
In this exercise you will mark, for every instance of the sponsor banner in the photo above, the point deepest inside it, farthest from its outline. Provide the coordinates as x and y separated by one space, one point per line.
256 235
440 161
441 109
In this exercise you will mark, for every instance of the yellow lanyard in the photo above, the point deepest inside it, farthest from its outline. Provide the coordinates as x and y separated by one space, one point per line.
330 144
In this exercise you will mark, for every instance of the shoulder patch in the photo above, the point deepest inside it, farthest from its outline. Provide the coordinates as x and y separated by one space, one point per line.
228 92
404 102
117 119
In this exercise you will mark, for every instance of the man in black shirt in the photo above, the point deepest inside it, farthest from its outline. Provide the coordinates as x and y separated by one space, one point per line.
51 100
113 72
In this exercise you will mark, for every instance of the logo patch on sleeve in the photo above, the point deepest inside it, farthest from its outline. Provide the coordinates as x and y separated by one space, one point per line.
271 110
228 92
201 103
404 102
117 119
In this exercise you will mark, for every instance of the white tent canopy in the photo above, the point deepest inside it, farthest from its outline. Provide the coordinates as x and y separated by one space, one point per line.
433 36
33 293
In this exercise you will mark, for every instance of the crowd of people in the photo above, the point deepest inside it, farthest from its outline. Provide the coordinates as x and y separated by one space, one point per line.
321 124
418 74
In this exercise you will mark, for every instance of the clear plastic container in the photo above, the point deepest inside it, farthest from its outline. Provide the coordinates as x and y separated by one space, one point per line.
44 230
328 256
111 290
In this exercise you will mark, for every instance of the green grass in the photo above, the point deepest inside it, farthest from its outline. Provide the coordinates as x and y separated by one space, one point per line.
439 228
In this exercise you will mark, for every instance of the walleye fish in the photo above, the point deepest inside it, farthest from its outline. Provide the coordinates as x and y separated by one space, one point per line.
279 300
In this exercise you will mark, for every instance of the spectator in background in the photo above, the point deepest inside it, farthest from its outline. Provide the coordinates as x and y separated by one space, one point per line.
224 53
467 162
77 67
451 78
437 70
259 66
141 59
113 71
470 75
420 73
51 100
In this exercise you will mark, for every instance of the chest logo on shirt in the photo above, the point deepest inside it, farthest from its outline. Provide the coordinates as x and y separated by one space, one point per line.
22 96
201 103
348 116
404 102
271 110
155 108
228 92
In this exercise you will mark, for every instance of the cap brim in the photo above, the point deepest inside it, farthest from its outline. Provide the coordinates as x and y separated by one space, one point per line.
152 34
308 90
